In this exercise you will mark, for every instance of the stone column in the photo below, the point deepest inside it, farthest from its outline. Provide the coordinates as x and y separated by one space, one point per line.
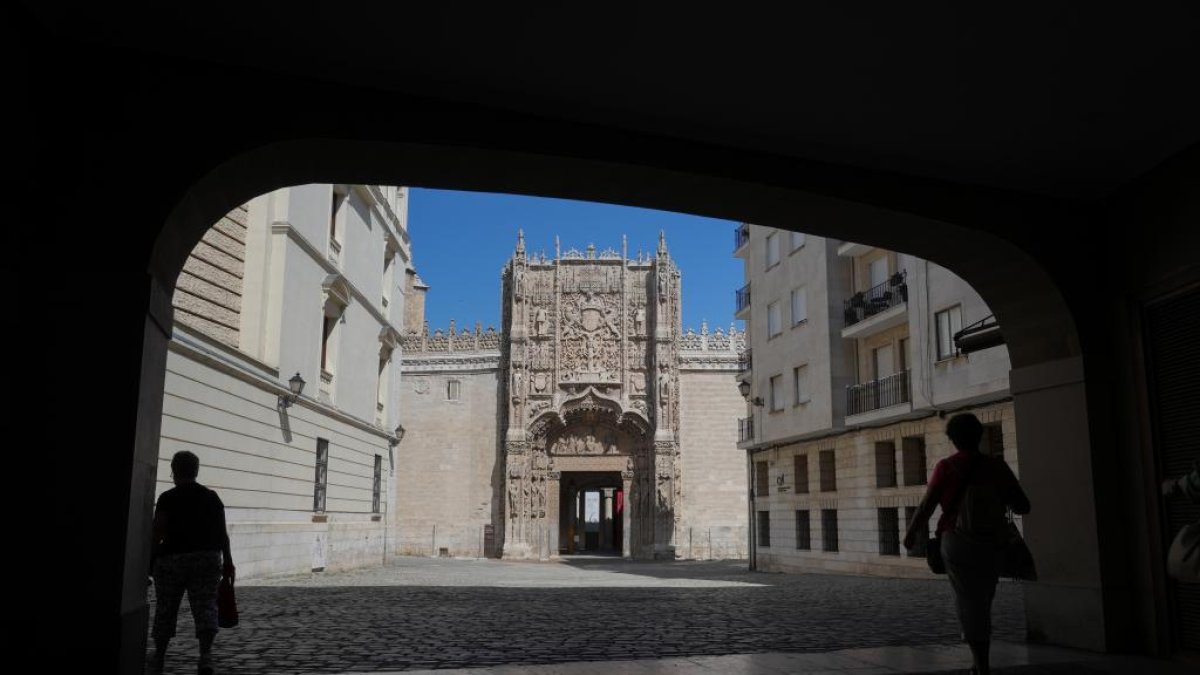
1065 605
626 515
552 514
606 517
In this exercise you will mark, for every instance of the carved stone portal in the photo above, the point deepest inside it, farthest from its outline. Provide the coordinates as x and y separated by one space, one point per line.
592 371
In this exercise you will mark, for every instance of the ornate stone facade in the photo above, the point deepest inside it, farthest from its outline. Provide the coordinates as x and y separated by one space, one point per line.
589 373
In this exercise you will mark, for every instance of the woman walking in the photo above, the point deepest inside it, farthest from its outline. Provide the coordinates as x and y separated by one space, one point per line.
972 545
189 552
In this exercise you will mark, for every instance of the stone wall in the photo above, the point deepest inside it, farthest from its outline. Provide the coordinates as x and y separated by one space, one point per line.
857 498
208 296
713 523
446 464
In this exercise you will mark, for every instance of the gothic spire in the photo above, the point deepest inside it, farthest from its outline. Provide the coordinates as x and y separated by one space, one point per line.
662 242
520 242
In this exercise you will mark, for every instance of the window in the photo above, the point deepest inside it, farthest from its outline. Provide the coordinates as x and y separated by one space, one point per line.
828 471
800 385
878 271
885 464
949 322
797 240
800 473
913 452
799 306
881 362
992 442
776 393
803 531
377 485
889 531
762 480
774 320
829 530
922 538
764 529
384 374
772 249
327 327
321 483
452 390
905 357
335 207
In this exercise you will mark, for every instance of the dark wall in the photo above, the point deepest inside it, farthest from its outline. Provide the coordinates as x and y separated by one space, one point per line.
112 146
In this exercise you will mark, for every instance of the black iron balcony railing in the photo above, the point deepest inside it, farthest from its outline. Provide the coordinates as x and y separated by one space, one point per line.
741 298
881 393
745 361
866 304
741 235
746 429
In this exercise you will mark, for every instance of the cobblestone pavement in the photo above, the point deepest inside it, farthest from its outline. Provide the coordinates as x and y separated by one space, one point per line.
420 613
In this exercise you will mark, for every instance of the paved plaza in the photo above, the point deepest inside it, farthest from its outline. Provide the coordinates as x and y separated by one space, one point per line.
563 617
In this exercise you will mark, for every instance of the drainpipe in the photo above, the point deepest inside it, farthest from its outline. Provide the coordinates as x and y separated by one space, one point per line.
752 536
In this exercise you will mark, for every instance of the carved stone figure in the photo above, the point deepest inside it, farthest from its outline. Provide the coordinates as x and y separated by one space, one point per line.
541 322
639 321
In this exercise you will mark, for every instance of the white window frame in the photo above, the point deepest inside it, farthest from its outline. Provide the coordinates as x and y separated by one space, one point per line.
798 239
800 393
774 320
800 293
453 390
951 318
775 390
773 247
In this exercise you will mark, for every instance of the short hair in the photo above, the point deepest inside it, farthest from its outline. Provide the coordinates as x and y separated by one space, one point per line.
965 431
185 464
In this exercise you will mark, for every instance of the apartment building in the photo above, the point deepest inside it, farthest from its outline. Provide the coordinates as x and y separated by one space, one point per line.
850 373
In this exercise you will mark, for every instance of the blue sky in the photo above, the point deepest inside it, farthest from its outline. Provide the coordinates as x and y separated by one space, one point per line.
462 239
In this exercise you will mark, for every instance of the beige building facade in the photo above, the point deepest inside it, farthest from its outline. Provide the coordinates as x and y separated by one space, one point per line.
304 281
591 393
850 373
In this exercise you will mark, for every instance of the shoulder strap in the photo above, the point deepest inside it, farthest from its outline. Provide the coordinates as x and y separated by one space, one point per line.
966 476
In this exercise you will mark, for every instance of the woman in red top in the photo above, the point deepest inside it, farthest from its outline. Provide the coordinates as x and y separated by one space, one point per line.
972 562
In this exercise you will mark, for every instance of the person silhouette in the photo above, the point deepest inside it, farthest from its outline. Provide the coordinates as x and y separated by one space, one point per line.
973 556
189 552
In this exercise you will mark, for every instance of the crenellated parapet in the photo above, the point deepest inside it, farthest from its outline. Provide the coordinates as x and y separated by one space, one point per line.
451 340
717 350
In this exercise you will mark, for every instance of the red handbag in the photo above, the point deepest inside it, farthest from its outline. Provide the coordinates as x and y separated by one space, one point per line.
227 611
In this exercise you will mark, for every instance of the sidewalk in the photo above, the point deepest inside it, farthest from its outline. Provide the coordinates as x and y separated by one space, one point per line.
1007 658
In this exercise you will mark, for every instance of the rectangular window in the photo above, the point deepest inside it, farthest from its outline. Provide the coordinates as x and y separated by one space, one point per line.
992 442
772 249
829 530
764 529
885 464
762 480
799 306
889 531
800 473
881 362
922 543
905 356
803 531
774 320
828 471
321 483
327 328
776 393
381 386
452 390
948 322
377 485
913 451
879 271
800 385
797 240
335 207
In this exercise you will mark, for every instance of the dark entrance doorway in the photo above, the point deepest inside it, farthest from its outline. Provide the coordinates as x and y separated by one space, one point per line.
591 513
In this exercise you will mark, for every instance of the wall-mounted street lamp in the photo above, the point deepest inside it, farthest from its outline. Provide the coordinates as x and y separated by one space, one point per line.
295 386
744 388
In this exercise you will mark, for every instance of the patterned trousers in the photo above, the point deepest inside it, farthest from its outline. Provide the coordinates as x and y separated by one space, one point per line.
198 573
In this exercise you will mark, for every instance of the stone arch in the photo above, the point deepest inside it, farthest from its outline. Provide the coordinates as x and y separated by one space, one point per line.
952 226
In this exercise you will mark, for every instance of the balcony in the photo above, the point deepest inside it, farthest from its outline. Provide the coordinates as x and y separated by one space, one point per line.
741 235
741 300
882 393
877 309
746 429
